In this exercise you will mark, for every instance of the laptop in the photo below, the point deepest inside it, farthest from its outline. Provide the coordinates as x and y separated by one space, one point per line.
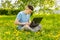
36 21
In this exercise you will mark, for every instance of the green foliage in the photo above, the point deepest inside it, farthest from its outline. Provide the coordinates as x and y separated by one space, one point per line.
20 5
8 12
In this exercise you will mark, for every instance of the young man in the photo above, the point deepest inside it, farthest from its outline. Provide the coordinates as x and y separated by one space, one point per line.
22 19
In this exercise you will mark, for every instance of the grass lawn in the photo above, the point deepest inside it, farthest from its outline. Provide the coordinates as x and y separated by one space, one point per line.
50 28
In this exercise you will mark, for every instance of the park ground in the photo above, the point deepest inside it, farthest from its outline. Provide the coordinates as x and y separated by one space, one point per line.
50 28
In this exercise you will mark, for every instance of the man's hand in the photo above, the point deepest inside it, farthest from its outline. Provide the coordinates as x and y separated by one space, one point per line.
27 23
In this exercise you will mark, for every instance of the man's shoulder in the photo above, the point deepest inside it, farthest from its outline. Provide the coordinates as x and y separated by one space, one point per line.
21 12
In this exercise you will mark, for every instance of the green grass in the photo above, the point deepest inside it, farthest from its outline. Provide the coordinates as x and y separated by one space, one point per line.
50 28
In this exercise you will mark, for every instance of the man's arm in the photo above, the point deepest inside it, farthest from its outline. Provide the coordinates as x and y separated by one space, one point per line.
29 22
18 23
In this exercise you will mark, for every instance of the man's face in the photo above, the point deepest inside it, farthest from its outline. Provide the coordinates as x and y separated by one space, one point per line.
29 11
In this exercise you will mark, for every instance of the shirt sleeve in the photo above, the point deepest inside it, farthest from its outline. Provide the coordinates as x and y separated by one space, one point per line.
18 16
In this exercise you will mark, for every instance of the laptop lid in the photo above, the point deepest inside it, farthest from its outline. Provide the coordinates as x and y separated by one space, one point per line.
36 21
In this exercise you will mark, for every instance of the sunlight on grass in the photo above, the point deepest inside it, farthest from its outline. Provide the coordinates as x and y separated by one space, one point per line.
50 28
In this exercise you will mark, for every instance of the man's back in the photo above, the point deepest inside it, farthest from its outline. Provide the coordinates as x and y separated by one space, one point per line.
22 17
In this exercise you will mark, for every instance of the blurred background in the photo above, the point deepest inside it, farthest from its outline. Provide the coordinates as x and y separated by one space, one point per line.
12 7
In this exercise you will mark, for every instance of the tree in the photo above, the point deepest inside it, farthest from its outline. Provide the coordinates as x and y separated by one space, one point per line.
22 3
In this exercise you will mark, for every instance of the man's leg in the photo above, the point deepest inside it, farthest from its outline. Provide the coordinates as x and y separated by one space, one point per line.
26 27
37 28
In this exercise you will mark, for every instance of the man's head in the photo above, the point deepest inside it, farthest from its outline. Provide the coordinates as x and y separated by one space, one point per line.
29 9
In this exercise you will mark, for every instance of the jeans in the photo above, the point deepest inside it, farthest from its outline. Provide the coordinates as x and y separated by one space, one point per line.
35 29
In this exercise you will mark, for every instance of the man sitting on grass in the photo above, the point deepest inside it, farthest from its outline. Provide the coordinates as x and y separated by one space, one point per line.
22 20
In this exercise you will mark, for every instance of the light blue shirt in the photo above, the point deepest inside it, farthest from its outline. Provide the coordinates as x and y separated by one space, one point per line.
22 17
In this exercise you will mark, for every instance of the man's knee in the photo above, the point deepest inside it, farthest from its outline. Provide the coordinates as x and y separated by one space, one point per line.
40 26
37 28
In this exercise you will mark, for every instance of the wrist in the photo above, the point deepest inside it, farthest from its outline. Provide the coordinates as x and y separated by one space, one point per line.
23 23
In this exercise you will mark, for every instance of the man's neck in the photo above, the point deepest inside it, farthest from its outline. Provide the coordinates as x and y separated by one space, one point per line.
25 12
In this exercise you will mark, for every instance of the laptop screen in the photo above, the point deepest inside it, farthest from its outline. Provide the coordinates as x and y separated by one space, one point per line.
35 22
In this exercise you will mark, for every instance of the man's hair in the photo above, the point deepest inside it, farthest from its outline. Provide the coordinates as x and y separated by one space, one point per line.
30 7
